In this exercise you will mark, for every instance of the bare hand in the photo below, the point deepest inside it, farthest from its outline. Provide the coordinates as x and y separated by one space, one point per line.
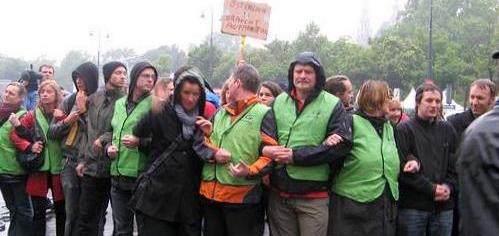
271 151
97 145
81 101
411 166
130 141
222 156
284 156
14 120
58 114
442 192
112 152
333 139
204 124
37 147
241 170
71 118
80 168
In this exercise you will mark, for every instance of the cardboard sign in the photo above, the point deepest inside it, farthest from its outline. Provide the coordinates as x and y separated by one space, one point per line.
246 18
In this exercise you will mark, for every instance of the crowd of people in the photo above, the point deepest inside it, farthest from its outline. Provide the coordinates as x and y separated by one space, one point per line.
174 159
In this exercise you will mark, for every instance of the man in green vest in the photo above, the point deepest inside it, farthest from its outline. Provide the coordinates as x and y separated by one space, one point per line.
231 180
12 175
128 161
305 117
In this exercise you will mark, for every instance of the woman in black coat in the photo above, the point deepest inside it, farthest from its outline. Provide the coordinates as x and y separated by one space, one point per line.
166 198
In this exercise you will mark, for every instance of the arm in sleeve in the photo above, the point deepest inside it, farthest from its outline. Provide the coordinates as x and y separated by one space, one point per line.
405 145
323 154
451 175
27 123
268 133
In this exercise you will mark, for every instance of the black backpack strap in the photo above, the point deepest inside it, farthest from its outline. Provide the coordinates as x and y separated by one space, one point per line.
157 162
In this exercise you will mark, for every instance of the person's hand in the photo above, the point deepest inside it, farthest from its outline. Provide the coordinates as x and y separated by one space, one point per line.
130 141
411 166
71 118
222 156
58 114
204 125
97 145
81 101
272 151
80 168
112 152
241 170
332 140
14 120
37 147
442 193
284 156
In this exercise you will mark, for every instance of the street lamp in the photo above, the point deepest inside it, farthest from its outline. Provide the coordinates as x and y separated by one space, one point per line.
99 43
210 55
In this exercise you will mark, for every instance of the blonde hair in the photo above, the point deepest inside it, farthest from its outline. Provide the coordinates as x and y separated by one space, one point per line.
53 85
22 90
372 96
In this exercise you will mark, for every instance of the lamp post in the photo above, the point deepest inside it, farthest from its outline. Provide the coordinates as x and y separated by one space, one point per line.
430 43
210 53
98 44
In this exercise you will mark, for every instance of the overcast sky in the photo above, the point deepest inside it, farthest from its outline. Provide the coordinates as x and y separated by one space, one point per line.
31 28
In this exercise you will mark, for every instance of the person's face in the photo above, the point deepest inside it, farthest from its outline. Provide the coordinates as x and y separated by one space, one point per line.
145 82
47 72
118 78
80 83
347 96
12 96
480 100
189 95
47 95
232 90
394 112
304 78
429 107
265 96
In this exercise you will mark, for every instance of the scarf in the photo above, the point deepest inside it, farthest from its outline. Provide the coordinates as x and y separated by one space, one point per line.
6 109
188 120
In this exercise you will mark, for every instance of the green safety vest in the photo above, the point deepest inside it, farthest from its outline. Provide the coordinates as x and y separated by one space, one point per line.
8 162
307 129
51 149
241 138
129 161
372 162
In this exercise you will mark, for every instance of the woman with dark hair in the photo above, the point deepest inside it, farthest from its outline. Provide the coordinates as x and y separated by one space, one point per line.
268 92
48 176
166 198
366 188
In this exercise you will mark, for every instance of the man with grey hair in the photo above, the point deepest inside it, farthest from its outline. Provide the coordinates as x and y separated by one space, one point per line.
477 167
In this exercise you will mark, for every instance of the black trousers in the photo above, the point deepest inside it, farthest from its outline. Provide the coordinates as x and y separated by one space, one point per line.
151 226
40 206
94 199
224 219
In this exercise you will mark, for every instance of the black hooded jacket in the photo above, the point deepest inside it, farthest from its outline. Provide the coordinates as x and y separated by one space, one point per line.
60 130
322 154
173 192
134 76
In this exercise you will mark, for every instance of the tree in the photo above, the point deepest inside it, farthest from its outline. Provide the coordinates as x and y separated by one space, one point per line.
68 64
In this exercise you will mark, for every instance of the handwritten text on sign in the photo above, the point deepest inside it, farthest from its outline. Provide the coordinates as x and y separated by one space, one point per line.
246 18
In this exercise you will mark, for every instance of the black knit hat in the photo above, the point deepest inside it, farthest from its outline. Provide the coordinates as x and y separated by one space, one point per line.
109 68
495 55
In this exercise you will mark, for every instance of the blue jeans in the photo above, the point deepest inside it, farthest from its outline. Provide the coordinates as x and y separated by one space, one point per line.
121 192
413 222
31 100
20 208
